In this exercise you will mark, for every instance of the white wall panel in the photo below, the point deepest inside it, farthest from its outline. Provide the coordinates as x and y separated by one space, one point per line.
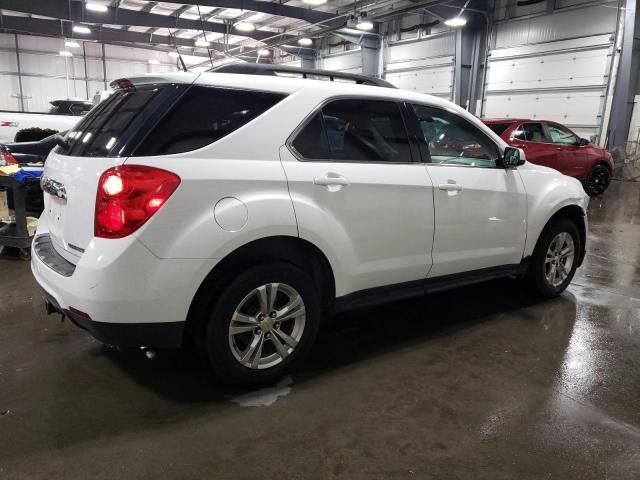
345 62
8 62
9 92
424 66
558 26
553 67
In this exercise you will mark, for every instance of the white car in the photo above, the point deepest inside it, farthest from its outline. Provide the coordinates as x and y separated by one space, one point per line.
234 210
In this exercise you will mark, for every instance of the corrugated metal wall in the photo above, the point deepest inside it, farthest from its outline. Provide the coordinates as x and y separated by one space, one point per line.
47 76
349 61
425 65
553 67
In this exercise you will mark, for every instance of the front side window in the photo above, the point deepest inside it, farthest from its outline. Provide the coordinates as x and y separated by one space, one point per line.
356 131
530 132
561 135
453 140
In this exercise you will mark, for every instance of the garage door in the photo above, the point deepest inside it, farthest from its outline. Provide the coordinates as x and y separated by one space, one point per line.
424 66
535 71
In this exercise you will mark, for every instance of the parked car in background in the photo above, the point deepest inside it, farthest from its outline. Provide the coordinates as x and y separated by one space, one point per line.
234 213
556 146
31 126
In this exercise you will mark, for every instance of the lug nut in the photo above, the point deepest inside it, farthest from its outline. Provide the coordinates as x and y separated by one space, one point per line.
276 325
261 317
273 314
266 335
257 331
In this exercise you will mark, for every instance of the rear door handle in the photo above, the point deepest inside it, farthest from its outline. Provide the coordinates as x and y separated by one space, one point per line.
331 179
451 187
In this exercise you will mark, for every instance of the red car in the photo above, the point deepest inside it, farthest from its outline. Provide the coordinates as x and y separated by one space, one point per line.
554 145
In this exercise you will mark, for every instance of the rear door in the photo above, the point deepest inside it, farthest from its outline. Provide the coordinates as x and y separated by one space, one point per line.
102 140
360 195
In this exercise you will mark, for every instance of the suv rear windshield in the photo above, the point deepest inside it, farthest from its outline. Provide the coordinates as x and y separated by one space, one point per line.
499 128
164 119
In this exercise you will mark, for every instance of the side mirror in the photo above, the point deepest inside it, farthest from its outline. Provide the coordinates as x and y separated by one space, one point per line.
60 140
583 142
512 157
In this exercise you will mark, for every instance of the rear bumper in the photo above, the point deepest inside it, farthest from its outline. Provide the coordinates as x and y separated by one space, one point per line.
153 335
132 297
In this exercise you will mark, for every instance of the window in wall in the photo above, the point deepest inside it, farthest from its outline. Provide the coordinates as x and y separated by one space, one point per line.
453 140
530 132
356 130
561 135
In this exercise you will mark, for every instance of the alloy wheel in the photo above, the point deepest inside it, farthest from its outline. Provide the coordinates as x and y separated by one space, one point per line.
598 181
559 259
267 326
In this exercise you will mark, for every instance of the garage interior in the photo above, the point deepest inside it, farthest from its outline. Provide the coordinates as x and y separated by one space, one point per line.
477 382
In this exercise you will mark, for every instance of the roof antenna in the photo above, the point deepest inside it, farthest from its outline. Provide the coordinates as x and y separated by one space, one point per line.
173 38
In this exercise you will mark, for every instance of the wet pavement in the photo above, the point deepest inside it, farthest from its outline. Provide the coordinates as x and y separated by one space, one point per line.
477 383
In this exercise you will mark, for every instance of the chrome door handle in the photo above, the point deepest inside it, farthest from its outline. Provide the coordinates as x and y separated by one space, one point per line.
331 180
451 187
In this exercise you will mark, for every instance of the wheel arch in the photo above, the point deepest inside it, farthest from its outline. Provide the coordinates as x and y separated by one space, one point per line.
294 250
577 215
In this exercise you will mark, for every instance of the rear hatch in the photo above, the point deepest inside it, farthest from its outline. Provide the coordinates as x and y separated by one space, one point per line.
103 139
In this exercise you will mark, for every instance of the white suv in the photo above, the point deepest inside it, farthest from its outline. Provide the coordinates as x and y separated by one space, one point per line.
234 210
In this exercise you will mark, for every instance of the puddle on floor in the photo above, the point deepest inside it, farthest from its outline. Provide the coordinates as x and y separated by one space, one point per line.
265 396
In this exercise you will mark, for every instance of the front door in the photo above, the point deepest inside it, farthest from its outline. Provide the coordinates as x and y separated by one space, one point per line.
571 157
360 195
533 139
480 208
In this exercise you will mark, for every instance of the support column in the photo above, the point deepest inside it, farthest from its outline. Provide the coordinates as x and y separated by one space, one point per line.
369 49
19 73
470 55
626 83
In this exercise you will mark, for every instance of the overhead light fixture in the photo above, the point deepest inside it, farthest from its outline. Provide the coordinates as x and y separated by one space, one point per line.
245 26
64 53
314 2
96 7
81 29
71 44
173 54
456 22
364 24
305 42
153 61
263 52
202 43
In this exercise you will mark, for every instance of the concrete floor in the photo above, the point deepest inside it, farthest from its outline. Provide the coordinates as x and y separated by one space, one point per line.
470 384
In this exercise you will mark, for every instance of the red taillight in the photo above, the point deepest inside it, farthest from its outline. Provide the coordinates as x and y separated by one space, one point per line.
8 158
128 196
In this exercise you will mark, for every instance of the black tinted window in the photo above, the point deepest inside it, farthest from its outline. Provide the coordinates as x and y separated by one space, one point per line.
530 132
311 142
498 128
204 115
106 130
453 140
356 130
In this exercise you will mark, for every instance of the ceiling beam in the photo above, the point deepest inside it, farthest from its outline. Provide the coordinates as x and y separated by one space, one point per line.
54 28
300 13
74 11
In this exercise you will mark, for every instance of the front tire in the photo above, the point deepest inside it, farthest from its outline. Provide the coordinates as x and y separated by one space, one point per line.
262 325
598 180
555 258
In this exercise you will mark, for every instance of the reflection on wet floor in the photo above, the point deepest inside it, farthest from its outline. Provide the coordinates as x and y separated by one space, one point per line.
480 382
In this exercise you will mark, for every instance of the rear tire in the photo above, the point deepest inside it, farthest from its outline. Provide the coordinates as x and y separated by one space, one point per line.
555 258
598 180
262 325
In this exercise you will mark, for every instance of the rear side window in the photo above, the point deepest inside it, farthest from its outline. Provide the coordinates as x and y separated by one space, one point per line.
498 128
530 132
356 131
164 119
204 115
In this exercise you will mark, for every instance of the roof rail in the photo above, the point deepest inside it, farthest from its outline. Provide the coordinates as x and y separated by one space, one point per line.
285 70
